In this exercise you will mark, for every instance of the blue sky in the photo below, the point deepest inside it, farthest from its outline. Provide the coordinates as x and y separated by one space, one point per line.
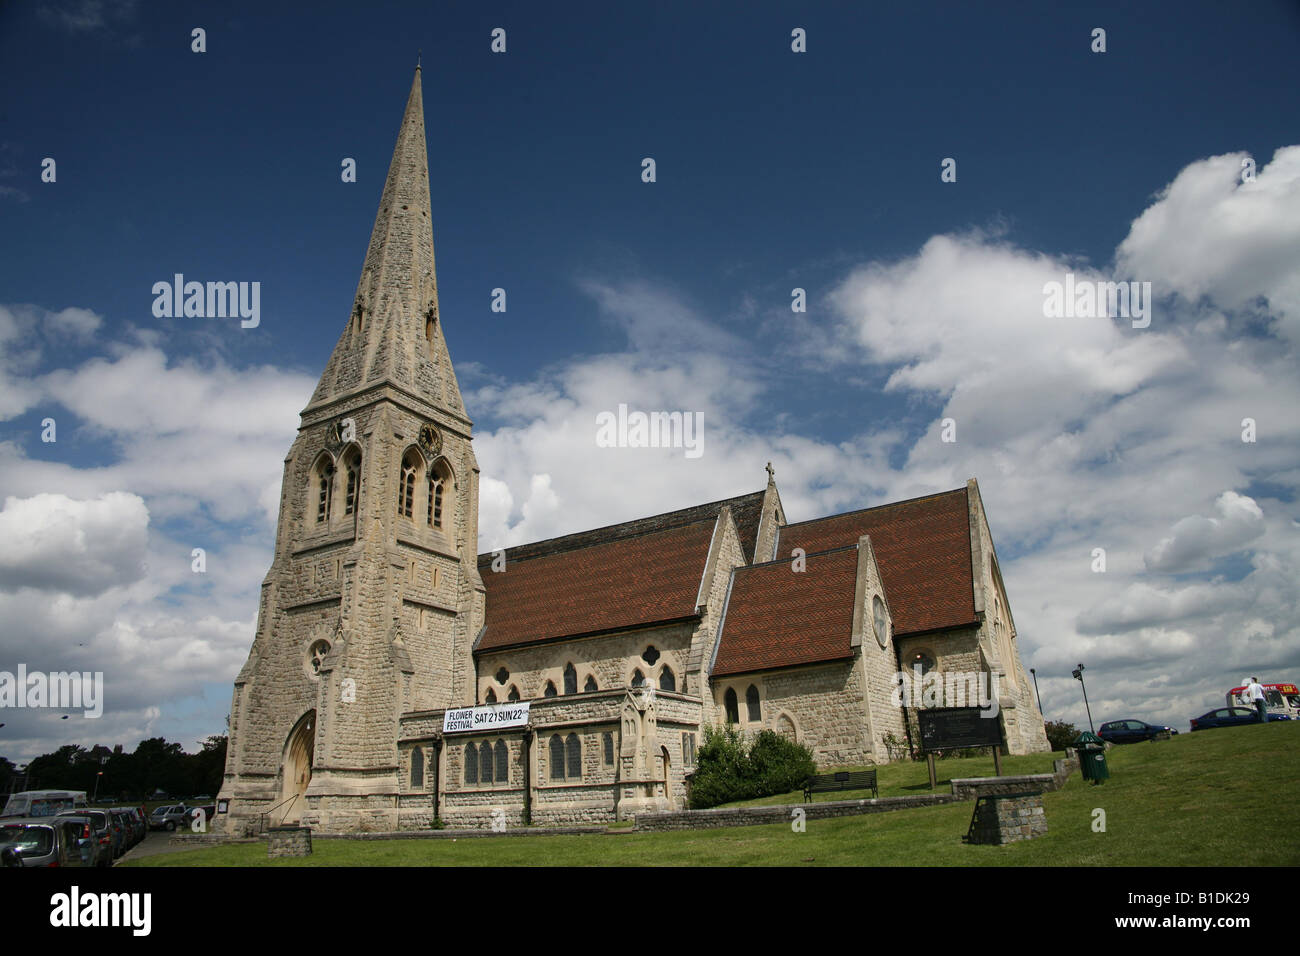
774 170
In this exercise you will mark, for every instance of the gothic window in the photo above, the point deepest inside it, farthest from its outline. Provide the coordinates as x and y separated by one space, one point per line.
732 706
352 468
638 679
751 703
590 687
502 675
609 749
491 697
650 655
550 689
570 679
325 492
471 763
923 661
688 749
667 679
406 486
557 757
514 693
502 754
435 502
485 762
440 482
573 748
417 769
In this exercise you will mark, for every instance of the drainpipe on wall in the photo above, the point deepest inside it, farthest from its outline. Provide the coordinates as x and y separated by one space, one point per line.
528 776
437 773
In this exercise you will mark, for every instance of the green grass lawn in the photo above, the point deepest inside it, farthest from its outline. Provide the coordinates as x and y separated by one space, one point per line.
1209 798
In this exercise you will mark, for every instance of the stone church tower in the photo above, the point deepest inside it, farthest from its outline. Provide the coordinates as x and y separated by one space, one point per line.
373 599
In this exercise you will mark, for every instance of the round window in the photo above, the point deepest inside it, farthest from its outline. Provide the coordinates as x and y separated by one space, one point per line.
880 621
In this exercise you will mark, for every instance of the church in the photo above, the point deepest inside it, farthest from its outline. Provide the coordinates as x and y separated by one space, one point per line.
397 678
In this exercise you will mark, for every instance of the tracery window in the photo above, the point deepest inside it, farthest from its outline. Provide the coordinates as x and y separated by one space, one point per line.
406 485
732 706
751 703
570 679
667 679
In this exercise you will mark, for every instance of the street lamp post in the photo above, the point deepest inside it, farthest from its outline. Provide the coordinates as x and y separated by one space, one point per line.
95 795
1036 693
1078 675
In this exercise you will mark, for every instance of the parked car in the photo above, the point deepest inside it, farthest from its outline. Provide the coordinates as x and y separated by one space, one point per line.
130 824
47 841
102 831
1132 731
1232 717
169 817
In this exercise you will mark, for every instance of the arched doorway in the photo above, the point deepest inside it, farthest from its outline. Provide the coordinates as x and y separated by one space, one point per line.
295 769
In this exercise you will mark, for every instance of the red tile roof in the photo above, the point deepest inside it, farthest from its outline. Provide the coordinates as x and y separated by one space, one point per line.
605 586
777 617
923 548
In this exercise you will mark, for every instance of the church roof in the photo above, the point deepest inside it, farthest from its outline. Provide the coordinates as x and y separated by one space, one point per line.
745 509
923 548
596 585
779 618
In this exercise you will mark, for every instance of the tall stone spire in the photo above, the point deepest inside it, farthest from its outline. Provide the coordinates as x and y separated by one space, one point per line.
394 335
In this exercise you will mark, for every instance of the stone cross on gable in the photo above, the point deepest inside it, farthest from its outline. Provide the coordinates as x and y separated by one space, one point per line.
770 472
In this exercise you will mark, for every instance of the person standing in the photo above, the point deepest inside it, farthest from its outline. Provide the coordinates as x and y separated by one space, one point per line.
1255 691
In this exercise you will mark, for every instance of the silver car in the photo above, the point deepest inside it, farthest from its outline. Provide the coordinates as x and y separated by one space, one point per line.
47 841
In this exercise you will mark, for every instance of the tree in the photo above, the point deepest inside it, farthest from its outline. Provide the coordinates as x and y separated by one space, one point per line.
1060 734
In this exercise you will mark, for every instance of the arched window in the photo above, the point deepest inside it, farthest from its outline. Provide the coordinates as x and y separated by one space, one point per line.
324 491
502 753
557 757
590 687
471 763
732 706
440 483
667 679
406 486
570 679
573 748
609 749
638 679
491 697
485 762
417 769
435 501
352 469
514 693
550 689
923 661
751 703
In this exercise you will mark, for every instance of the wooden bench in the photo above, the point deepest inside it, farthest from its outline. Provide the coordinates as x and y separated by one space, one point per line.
842 780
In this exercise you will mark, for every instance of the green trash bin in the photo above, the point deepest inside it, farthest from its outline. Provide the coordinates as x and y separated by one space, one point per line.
1092 757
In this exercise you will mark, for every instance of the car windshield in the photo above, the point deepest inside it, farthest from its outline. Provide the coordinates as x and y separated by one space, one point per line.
32 841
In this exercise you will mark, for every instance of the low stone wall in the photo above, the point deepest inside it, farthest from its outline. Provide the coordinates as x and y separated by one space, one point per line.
757 816
461 834
199 840
1002 819
288 841
968 788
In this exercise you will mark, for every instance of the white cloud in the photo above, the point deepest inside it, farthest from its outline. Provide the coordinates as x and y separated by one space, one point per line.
1210 234
51 542
1195 539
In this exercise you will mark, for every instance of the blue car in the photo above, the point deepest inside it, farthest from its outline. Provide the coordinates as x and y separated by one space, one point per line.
1132 731
1231 717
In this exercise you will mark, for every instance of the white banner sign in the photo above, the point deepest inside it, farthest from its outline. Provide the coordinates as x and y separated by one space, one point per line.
487 717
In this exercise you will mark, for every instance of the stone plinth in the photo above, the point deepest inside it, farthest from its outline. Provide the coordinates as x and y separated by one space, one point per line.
288 841
1006 818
